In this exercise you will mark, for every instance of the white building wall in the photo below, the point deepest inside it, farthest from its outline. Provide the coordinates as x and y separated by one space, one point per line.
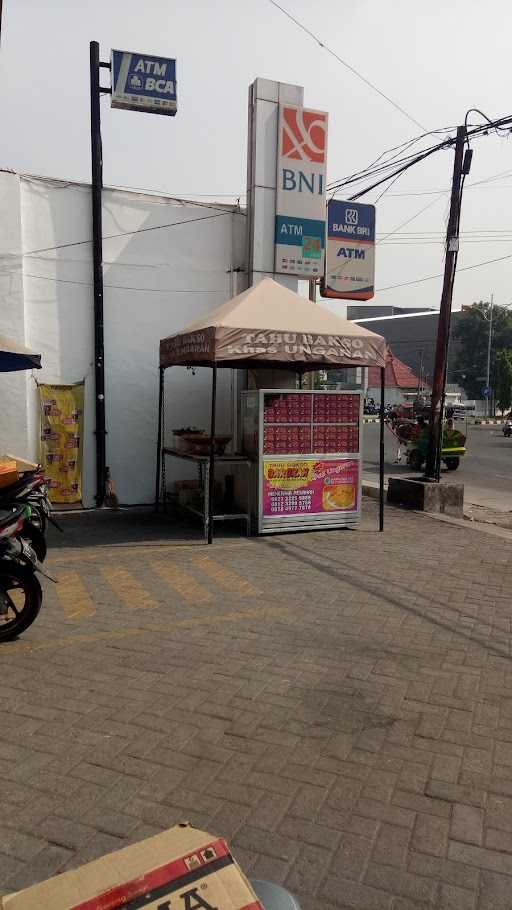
13 386
159 275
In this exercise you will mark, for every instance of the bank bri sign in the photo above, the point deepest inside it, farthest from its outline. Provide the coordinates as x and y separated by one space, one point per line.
300 202
142 82
350 257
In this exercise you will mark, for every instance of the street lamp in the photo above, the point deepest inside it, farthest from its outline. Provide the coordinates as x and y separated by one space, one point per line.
489 348
488 374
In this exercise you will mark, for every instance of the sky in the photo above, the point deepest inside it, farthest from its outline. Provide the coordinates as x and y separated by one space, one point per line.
435 60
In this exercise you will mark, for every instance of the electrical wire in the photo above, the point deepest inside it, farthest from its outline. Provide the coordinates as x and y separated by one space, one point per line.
123 287
465 268
408 161
408 221
157 227
344 63
397 148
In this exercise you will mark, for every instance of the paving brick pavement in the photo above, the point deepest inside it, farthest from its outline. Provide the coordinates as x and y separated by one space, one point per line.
337 704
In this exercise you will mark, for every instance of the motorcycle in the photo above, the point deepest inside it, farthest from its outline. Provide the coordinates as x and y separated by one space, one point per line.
507 429
20 592
31 490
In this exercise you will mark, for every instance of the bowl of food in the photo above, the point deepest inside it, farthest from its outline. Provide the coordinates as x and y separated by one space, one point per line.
181 436
199 443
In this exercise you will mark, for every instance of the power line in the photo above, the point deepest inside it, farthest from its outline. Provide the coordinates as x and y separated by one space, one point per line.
157 227
397 148
408 161
123 287
476 184
347 65
466 268
408 221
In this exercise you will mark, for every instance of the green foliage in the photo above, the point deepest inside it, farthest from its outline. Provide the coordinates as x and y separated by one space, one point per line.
472 334
503 389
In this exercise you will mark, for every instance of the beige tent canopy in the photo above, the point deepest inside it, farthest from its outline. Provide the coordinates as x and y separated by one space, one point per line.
270 324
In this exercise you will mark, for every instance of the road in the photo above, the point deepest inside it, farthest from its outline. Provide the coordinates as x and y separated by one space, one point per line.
486 470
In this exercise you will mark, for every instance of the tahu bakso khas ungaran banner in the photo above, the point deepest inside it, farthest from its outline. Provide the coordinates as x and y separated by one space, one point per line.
62 420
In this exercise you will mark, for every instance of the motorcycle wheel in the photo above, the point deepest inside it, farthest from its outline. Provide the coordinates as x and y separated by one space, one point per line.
35 537
20 599
452 463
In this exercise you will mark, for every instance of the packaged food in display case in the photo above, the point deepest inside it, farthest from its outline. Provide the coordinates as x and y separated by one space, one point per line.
307 457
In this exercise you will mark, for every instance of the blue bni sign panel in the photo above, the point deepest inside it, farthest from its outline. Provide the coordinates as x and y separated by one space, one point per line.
350 254
141 82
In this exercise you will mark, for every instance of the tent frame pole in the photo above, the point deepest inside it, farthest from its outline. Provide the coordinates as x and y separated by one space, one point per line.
211 472
381 449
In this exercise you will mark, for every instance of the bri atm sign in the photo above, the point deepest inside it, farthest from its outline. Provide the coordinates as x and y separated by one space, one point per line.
141 82
300 202
350 256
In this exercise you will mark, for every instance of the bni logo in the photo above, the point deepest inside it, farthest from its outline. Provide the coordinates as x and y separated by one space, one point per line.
303 135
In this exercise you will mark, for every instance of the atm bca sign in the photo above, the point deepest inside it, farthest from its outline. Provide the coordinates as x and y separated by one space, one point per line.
141 82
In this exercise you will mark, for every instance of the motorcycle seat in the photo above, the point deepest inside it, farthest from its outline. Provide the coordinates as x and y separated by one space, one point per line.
13 489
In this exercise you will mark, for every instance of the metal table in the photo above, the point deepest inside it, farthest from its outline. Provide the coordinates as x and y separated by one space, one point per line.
203 465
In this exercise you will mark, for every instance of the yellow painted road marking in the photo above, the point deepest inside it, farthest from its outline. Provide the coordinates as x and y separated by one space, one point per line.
185 584
66 555
23 647
74 597
225 577
129 589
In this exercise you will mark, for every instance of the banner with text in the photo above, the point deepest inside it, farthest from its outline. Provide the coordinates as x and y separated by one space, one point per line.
300 201
308 486
350 254
62 416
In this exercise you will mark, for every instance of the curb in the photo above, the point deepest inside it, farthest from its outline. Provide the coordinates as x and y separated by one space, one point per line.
484 423
371 490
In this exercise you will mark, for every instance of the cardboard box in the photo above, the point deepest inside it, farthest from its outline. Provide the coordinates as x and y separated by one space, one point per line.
180 869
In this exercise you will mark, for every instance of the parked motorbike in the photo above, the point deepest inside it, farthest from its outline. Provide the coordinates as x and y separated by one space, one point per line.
507 428
30 489
20 591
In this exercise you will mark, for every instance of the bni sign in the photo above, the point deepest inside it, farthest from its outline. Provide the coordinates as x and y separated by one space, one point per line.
300 202
350 256
141 82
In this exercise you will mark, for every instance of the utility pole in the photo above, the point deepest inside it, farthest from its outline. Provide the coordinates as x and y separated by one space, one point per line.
420 376
489 344
433 463
97 254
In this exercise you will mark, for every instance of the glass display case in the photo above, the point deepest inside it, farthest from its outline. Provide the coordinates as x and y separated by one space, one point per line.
306 450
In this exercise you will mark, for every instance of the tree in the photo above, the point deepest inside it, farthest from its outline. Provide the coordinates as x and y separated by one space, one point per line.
503 388
472 336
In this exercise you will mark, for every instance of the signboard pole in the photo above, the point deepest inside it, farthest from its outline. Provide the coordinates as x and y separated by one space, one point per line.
211 472
97 255
381 448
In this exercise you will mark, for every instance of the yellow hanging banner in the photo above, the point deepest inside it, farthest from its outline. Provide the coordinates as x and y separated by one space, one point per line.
62 420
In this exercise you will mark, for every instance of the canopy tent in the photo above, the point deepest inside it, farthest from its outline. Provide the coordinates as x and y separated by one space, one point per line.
14 356
270 326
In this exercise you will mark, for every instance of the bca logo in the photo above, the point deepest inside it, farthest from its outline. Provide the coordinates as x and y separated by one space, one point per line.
303 135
